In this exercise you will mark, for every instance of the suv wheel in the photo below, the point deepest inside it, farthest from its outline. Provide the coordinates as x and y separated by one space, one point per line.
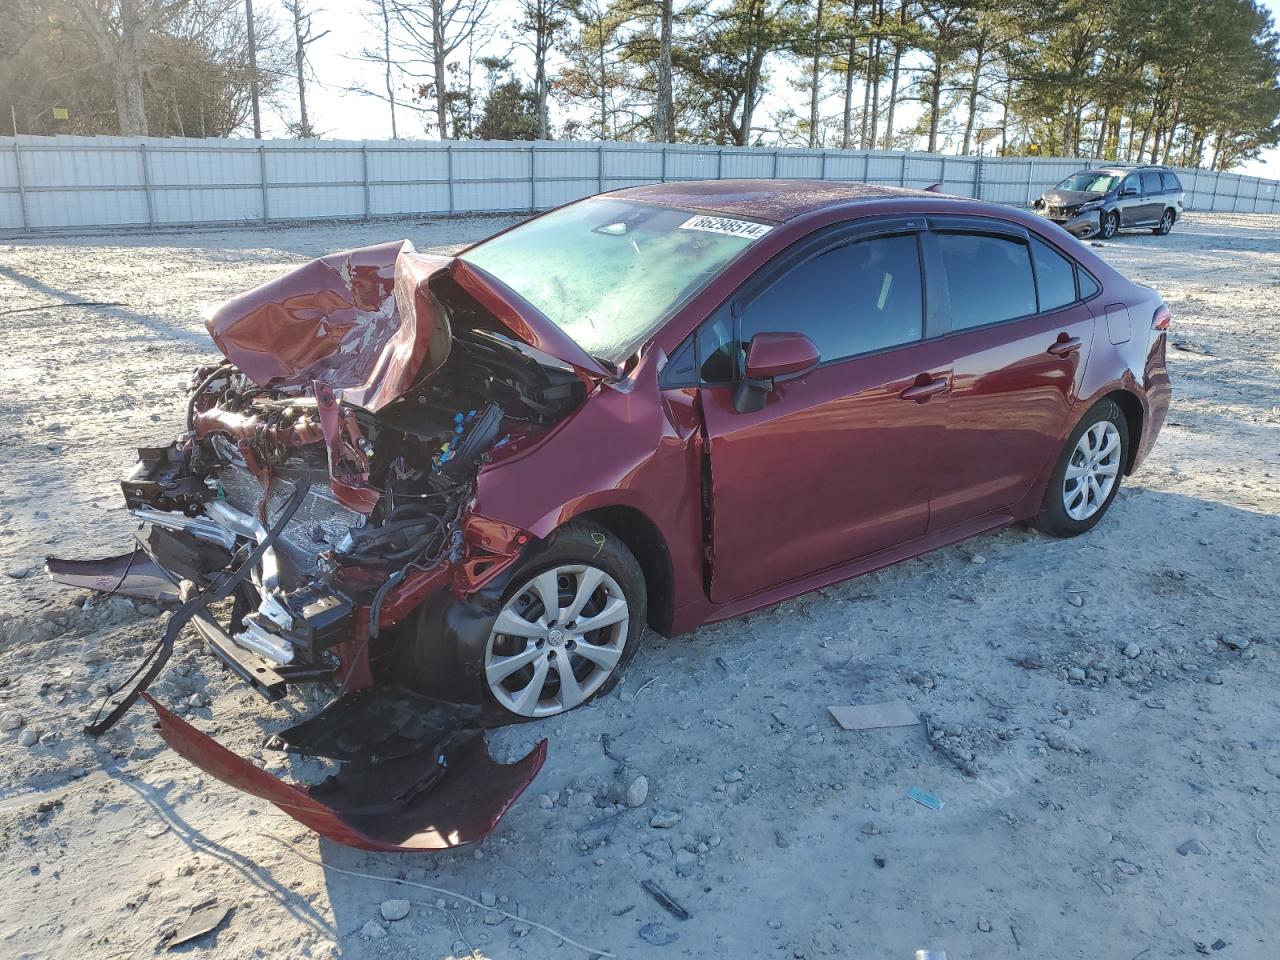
1166 224
1110 224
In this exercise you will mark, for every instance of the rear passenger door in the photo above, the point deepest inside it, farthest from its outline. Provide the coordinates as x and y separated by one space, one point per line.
1020 333
1152 197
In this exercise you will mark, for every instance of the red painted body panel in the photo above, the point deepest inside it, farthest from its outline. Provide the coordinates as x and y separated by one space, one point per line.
1011 400
836 466
836 475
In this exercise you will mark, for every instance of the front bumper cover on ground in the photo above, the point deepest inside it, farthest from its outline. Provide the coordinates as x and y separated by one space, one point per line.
416 796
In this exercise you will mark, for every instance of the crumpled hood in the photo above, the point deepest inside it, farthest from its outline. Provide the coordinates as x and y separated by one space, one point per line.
367 323
1069 198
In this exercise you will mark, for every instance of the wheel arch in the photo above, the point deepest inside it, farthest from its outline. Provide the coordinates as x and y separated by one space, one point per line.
643 538
1131 407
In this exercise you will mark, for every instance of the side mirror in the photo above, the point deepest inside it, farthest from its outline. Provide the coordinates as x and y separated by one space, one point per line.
773 358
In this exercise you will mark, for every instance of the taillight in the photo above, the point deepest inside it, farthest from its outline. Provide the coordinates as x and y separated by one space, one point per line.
1162 318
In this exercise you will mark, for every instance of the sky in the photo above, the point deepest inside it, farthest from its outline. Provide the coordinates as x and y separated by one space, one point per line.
338 113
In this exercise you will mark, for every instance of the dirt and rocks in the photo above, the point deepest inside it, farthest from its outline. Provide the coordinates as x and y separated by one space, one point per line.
1099 716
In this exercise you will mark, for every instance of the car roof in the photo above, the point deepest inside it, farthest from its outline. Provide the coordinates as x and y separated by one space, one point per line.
775 200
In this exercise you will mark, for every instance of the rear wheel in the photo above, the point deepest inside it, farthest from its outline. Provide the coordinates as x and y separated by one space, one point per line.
567 626
1165 225
1110 224
1086 478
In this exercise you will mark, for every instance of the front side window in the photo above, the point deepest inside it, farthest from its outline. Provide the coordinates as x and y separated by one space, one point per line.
854 299
608 272
989 278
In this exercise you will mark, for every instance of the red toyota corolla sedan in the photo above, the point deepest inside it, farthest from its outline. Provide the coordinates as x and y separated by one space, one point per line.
477 479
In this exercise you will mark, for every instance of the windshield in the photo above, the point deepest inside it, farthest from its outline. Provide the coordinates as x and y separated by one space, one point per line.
607 272
1090 181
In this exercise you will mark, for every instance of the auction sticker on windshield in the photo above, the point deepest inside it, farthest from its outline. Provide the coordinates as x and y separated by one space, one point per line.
733 228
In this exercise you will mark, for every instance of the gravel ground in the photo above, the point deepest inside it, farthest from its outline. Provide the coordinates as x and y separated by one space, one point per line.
1103 711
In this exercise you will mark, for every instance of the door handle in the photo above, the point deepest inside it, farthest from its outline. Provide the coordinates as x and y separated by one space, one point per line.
1064 347
921 392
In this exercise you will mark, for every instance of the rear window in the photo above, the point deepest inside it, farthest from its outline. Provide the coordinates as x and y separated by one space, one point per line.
989 277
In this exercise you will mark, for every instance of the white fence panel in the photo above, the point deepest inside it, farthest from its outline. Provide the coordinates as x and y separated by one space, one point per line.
66 183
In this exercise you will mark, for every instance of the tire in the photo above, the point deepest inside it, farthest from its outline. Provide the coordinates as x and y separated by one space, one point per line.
579 554
1166 223
1110 224
1066 511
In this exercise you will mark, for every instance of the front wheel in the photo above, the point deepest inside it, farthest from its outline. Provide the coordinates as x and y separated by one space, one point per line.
1086 478
1110 224
567 626
1165 225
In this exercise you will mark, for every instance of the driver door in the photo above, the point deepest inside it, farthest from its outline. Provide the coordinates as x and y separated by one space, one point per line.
836 464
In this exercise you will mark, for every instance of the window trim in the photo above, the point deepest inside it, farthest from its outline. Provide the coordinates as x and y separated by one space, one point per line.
805 249
986 225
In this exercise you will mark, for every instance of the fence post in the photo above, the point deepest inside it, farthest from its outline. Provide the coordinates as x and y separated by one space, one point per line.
822 170
146 184
1031 171
719 163
364 170
22 189
600 168
866 168
774 176
977 179
1213 200
942 175
448 172
902 173
533 175
262 176
664 163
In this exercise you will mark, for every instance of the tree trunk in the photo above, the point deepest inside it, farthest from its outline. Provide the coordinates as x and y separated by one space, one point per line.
1004 114
877 44
935 103
438 68
299 62
126 77
846 139
253 70
664 114
386 57
815 77
978 53
897 69
866 100
604 87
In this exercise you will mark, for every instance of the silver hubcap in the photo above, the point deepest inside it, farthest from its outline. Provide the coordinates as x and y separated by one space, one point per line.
1092 471
1166 221
1109 225
557 640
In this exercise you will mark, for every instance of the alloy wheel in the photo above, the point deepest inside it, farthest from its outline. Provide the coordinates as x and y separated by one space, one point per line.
557 640
1166 222
1109 225
1092 471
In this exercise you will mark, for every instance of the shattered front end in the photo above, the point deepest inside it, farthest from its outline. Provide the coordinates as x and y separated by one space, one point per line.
320 493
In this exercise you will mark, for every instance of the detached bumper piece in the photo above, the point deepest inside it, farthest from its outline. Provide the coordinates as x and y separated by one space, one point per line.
415 776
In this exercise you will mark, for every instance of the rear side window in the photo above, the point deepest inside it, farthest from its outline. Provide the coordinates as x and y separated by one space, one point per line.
1170 181
989 277
1088 285
1055 276
1151 182
857 298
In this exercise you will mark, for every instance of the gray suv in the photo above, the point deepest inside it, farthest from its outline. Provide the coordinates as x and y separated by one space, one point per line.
1103 201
